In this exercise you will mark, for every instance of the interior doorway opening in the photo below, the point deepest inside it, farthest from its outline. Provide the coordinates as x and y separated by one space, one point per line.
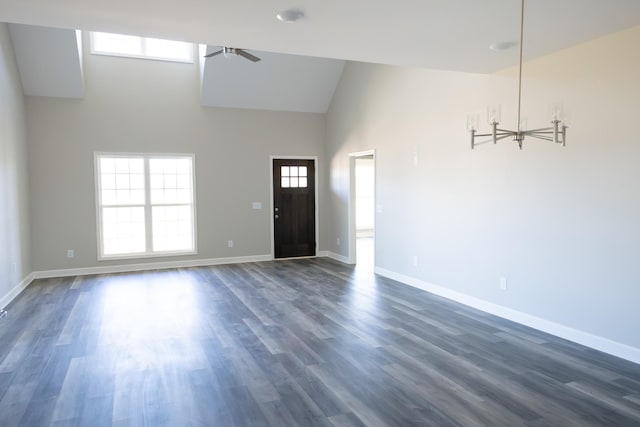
362 212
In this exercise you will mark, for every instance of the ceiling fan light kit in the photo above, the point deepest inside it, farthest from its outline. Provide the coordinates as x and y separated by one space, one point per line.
556 133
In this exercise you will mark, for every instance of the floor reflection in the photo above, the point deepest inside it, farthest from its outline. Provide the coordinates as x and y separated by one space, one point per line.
364 296
149 314
365 254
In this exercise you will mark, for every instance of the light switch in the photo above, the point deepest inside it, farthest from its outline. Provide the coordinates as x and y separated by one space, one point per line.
256 205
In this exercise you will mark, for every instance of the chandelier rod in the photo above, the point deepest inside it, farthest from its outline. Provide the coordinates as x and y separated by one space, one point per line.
520 68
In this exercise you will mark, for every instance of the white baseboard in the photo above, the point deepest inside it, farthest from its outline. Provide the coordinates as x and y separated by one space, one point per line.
335 256
48 274
16 290
584 338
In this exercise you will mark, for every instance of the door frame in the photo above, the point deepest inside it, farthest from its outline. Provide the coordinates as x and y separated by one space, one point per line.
351 204
271 207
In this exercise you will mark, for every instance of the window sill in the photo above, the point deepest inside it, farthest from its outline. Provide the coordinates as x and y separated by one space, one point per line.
144 256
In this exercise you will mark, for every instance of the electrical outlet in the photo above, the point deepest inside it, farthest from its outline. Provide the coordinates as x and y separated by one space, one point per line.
70 253
503 283
415 260
230 243
14 267
338 241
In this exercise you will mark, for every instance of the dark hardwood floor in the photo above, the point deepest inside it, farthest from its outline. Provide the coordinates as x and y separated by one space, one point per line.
290 343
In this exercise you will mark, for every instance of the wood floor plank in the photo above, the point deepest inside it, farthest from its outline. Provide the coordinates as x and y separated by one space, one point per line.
309 342
365 413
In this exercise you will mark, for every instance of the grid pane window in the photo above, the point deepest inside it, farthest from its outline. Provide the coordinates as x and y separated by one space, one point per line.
293 177
123 230
122 200
171 225
171 197
135 220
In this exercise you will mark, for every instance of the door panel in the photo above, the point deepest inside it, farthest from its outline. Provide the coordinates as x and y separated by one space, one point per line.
294 205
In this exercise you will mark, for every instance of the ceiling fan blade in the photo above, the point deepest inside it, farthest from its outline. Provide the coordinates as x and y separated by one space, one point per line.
247 55
214 53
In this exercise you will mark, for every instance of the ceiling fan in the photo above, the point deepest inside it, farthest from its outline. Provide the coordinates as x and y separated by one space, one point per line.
232 51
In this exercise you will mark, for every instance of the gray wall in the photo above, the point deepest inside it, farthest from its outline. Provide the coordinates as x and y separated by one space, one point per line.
135 105
561 224
15 262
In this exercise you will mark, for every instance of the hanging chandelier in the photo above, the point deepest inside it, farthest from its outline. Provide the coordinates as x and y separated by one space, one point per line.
556 133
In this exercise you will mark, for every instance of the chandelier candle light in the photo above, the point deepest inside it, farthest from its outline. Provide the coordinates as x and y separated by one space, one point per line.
557 132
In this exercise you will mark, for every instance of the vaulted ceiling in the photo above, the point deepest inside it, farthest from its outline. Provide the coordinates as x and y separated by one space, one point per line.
446 34
50 63
49 60
451 35
278 82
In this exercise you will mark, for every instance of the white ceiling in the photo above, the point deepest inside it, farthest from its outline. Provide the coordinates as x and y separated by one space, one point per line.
49 61
276 82
445 34
50 64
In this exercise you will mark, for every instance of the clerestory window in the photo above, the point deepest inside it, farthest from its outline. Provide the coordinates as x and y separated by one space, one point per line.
141 47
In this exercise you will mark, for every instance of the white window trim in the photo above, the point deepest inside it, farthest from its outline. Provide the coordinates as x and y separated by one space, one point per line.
98 196
190 60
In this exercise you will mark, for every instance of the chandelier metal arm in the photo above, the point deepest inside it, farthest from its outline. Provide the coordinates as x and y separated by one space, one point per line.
539 136
552 134
499 135
505 131
540 130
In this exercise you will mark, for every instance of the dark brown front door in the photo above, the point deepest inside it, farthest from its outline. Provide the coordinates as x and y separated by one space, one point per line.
294 205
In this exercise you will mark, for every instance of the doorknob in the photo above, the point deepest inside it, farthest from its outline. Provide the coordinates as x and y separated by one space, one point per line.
277 217
276 209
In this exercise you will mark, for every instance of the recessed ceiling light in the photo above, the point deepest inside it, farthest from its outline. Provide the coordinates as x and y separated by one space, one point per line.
500 46
290 15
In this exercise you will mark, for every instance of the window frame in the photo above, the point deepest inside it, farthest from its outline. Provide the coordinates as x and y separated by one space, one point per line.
291 177
148 206
143 41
